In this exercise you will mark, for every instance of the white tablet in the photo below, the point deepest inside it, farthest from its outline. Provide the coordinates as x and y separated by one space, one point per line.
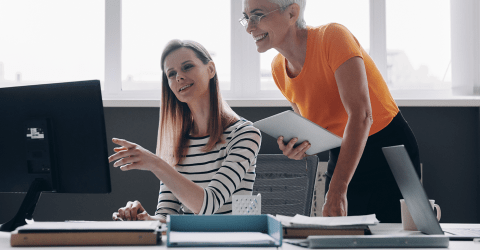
290 125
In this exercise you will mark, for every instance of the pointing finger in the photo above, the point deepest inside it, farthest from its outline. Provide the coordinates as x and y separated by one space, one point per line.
123 142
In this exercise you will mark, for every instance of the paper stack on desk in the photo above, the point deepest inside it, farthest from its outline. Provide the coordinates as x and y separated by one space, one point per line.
220 238
337 238
300 226
87 233
301 220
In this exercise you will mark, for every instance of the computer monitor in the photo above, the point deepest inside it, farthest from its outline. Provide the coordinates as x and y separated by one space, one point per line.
52 139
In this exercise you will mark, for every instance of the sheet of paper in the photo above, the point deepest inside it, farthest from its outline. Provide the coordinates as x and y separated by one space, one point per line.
91 226
335 221
285 220
220 238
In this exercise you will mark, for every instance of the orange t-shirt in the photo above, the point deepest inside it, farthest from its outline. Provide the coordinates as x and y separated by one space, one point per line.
315 90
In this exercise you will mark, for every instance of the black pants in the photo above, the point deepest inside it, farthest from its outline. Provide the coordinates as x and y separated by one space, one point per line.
373 189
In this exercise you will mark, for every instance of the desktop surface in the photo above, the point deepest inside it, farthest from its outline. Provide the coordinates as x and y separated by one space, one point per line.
382 228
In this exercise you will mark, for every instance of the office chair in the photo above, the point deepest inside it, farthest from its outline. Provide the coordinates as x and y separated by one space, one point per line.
286 185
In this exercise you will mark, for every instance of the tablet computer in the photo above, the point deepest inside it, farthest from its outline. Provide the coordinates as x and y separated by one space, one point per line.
290 125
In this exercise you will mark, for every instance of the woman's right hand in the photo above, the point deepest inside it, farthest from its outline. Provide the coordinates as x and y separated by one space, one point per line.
296 153
132 211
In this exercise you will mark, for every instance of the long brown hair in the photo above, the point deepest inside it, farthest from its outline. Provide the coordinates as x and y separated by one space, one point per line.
176 120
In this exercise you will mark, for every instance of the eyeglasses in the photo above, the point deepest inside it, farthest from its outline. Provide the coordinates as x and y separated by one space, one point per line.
253 18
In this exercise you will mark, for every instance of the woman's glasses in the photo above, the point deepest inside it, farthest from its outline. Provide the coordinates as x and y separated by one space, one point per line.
253 18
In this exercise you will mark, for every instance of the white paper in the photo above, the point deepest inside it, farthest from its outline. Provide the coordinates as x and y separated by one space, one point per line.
91 226
220 238
335 221
285 220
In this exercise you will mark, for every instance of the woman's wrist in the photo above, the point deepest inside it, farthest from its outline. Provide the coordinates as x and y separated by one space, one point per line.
159 168
338 187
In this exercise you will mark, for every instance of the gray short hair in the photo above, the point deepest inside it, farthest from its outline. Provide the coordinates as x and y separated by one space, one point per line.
285 3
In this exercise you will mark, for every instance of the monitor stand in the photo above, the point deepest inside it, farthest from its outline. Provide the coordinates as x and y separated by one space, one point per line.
27 208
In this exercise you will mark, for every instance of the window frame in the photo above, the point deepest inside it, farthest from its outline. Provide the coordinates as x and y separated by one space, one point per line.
245 60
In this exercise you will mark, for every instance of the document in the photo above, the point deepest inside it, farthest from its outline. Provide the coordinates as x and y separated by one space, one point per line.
91 226
219 238
328 222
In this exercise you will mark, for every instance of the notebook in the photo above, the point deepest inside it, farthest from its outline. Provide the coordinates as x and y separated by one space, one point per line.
290 125
416 198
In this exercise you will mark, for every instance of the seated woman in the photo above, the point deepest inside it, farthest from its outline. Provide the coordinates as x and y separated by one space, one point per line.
205 152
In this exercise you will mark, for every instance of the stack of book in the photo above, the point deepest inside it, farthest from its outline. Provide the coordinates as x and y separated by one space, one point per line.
300 227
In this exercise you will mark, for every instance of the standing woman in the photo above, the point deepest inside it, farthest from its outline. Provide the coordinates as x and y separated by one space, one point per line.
205 152
329 79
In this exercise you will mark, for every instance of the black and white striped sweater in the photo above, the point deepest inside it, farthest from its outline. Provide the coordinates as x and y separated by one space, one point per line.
228 169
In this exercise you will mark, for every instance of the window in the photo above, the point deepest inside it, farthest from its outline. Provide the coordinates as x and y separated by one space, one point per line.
51 41
418 44
415 43
148 25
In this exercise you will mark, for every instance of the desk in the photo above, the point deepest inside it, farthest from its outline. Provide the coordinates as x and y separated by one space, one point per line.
383 228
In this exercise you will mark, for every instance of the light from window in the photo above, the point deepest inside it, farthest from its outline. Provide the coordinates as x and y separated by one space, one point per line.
354 14
148 25
418 44
51 41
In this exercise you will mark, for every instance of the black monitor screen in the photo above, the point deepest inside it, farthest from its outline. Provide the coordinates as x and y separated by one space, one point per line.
52 139
54 132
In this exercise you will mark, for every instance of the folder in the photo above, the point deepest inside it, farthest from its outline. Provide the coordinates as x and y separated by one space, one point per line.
88 233
224 230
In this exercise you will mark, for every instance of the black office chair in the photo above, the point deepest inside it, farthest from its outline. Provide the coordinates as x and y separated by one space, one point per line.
286 185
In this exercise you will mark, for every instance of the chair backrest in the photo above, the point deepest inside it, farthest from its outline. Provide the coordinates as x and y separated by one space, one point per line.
286 185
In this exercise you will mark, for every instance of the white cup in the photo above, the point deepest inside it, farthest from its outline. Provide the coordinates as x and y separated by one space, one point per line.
407 220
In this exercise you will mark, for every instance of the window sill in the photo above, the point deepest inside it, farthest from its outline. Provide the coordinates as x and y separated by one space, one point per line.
403 98
453 101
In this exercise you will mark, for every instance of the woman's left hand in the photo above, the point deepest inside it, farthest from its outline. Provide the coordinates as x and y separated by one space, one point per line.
336 204
132 156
